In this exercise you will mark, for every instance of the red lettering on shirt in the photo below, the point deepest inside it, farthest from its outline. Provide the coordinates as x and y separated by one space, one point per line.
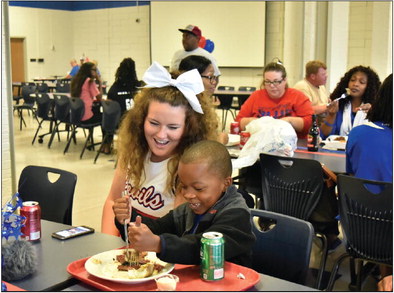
147 197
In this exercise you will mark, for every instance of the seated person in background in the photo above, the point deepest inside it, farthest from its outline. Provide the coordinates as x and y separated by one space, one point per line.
74 69
152 137
95 62
125 86
278 101
313 85
209 79
84 86
369 149
213 204
359 87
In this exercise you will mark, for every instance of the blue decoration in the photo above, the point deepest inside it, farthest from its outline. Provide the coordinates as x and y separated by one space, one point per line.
3 287
11 221
209 46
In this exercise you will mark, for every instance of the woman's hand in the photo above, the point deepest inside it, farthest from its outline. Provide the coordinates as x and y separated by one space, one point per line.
332 108
142 238
121 209
364 107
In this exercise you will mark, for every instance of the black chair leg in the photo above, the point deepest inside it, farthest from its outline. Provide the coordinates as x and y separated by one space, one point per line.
88 139
322 261
73 134
100 148
38 129
55 129
335 270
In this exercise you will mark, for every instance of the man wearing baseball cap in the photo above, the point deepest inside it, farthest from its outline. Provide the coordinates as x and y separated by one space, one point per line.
190 38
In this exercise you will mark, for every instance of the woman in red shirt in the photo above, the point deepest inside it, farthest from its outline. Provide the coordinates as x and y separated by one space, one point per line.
275 99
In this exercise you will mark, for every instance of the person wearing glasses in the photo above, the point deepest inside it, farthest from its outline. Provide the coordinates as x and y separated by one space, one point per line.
277 100
210 80
190 38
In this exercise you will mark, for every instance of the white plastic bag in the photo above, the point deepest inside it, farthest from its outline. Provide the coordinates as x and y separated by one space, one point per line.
267 135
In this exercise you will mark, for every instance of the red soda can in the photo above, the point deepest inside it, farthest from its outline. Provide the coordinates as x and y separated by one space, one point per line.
32 224
234 128
244 136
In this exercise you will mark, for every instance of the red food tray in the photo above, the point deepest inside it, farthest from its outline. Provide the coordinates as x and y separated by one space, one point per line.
189 279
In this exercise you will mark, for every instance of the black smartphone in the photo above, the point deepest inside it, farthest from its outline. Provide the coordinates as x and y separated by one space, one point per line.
72 232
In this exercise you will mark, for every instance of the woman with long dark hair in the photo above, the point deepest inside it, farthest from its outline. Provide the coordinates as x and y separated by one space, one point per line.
351 99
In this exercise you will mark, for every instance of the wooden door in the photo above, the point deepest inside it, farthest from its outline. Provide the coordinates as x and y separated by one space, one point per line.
17 61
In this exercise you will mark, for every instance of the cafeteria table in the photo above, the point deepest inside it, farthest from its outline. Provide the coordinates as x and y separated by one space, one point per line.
54 255
333 159
233 93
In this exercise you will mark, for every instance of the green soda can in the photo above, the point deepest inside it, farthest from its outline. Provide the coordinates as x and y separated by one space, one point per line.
212 256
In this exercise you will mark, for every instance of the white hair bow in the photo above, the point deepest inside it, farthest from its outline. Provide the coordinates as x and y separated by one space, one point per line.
188 83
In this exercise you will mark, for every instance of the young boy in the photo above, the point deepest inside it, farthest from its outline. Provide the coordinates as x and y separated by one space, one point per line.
213 204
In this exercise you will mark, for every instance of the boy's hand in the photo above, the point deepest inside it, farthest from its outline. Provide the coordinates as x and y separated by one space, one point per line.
121 209
141 237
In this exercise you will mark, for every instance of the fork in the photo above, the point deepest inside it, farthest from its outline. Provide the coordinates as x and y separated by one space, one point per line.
337 99
132 257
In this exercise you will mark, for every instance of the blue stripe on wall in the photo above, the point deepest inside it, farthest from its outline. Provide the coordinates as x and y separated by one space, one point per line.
77 5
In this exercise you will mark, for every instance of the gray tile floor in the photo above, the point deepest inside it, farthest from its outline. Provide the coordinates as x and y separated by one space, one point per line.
94 181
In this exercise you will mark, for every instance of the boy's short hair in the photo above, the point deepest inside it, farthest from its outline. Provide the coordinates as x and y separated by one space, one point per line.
212 152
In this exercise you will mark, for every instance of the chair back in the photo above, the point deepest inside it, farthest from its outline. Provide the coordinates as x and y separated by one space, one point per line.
225 100
54 196
26 91
111 115
367 218
247 88
291 190
225 88
77 110
44 104
62 87
42 88
283 249
62 107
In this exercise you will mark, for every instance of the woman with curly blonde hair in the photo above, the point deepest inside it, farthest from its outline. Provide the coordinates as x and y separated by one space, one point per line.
168 116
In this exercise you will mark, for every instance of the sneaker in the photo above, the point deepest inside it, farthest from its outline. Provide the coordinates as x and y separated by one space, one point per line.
334 245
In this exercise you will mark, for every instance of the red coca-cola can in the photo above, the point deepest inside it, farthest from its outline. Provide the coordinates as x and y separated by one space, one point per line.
32 224
234 128
244 136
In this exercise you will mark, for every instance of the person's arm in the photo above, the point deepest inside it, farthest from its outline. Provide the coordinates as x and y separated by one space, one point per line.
386 284
245 114
319 109
245 121
117 187
185 249
296 122
328 124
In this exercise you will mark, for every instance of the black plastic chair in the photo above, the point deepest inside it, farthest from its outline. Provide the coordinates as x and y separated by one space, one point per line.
225 103
283 249
28 104
55 197
110 121
61 115
367 223
77 110
42 88
45 112
293 187
62 87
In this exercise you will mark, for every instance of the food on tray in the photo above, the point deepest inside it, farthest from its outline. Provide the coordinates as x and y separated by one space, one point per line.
121 268
340 138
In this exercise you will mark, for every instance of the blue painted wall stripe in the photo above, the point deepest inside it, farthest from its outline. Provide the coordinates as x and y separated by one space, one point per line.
77 5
